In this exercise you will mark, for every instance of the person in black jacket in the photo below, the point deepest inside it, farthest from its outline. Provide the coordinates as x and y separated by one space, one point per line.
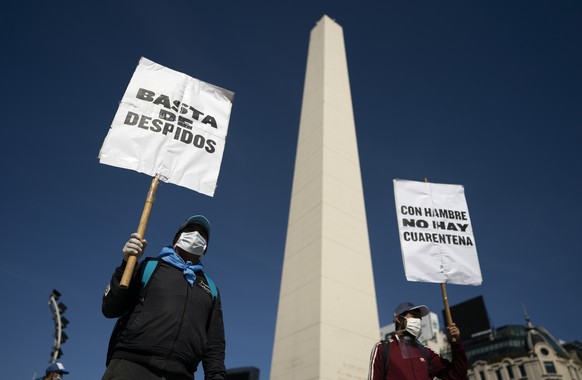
170 324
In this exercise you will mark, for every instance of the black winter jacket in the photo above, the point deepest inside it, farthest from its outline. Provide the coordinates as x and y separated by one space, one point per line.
167 326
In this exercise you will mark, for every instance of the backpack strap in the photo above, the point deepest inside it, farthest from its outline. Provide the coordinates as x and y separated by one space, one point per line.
212 286
149 268
385 353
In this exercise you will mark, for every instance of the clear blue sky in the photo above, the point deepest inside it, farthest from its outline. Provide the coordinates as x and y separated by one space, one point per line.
486 94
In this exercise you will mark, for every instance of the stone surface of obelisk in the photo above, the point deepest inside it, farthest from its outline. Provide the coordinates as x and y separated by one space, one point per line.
327 319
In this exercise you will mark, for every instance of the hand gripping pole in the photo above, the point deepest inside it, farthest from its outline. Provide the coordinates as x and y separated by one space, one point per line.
141 229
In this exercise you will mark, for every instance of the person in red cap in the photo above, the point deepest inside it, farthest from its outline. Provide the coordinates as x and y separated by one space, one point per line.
170 316
403 357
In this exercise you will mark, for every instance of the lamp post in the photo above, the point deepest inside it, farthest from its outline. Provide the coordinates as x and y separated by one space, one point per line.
57 311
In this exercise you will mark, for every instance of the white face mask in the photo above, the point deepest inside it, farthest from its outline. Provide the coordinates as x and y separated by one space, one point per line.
191 242
413 326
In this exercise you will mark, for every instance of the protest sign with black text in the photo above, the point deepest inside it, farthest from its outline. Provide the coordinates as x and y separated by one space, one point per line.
435 231
171 125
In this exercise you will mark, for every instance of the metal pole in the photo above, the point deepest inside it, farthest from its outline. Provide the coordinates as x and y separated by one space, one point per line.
59 328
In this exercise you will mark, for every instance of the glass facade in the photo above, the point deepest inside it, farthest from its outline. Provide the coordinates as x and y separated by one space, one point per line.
505 342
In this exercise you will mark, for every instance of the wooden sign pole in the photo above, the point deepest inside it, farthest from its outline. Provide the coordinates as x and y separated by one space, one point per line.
141 229
448 316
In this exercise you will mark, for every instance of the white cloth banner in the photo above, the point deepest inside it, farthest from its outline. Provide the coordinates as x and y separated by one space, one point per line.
435 233
170 124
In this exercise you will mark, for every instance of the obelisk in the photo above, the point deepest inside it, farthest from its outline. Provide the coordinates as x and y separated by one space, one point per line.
327 320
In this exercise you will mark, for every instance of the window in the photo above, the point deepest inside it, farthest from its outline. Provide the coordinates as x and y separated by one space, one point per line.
522 370
510 371
482 375
498 374
550 368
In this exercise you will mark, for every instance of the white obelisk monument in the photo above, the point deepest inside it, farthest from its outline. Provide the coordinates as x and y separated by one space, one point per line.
327 321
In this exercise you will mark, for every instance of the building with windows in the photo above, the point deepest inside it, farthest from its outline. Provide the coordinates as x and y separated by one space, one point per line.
522 352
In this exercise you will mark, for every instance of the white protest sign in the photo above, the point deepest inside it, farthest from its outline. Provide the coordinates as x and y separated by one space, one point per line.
435 233
172 125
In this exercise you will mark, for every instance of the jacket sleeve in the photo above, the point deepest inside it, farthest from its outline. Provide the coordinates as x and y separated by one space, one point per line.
117 300
447 370
213 360
376 369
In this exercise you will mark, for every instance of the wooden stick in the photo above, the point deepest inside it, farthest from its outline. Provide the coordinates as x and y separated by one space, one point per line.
141 229
448 316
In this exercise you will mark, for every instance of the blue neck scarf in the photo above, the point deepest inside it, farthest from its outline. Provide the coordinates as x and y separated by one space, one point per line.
171 257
